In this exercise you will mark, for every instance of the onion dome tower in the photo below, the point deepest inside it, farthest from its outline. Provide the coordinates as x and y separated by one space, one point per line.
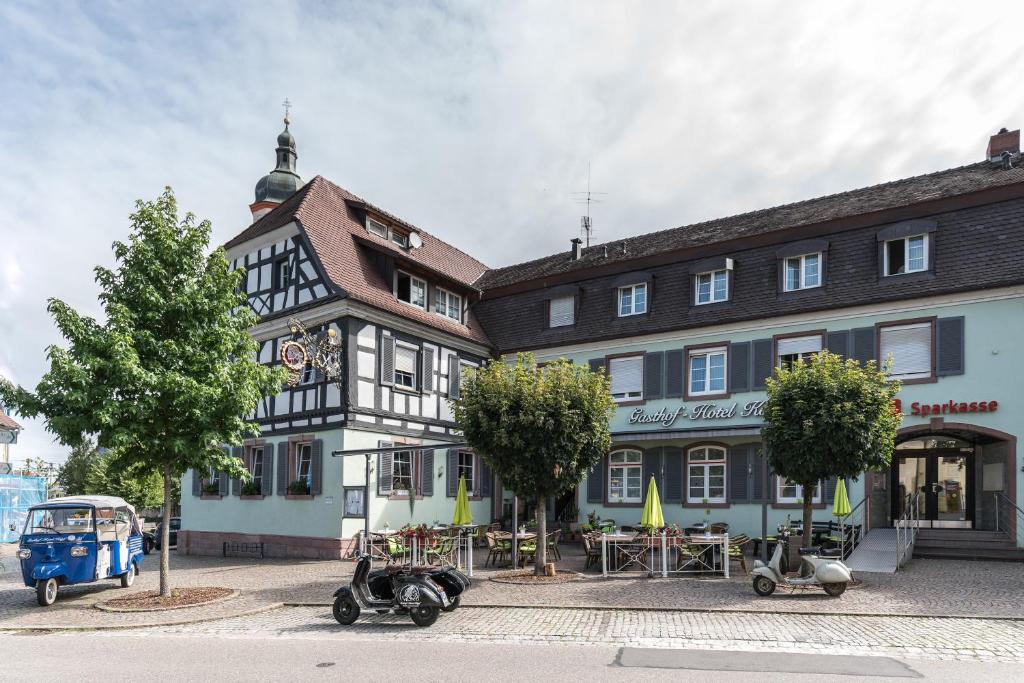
283 181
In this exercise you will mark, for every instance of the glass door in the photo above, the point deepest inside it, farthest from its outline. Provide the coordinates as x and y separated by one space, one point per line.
944 481
951 489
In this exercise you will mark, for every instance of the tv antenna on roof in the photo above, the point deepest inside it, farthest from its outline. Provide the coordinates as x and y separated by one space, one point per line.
588 197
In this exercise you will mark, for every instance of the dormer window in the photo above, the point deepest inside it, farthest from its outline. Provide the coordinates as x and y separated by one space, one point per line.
803 272
282 274
376 228
400 238
448 304
410 289
712 287
906 255
632 300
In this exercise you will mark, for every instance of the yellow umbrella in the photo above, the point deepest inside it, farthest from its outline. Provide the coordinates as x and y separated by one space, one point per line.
652 517
463 515
841 507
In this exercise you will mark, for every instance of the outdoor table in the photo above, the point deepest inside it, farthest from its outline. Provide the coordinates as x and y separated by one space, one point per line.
714 549
520 539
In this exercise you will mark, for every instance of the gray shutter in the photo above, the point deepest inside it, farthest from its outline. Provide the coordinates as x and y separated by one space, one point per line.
387 359
223 484
267 486
651 466
427 487
830 490
674 374
673 474
595 480
949 354
451 470
384 469
197 483
453 375
427 369
738 465
316 467
838 342
762 363
282 469
759 489
863 344
236 484
653 374
485 477
596 364
739 367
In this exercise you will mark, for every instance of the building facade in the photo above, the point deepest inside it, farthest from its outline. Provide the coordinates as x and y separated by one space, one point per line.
688 323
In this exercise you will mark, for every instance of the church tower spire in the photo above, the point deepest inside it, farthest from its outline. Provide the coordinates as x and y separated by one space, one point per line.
283 181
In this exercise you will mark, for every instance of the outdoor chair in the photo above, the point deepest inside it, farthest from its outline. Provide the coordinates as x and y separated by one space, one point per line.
444 552
719 528
497 549
737 546
527 552
552 539
591 550
396 548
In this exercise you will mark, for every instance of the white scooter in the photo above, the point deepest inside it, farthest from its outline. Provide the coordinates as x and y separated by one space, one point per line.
815 570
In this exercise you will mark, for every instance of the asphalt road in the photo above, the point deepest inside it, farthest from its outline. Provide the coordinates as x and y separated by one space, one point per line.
82 656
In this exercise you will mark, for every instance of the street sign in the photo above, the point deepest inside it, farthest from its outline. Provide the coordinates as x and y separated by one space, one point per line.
5 468
8 437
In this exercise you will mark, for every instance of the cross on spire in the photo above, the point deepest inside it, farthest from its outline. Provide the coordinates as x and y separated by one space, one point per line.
287 104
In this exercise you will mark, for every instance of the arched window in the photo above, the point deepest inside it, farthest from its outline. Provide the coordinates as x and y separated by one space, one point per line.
625 476
705 474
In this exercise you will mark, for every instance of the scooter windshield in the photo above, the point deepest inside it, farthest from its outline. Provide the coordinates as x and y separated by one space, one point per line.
58 521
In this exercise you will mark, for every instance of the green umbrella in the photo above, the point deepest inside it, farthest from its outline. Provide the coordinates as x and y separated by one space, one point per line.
652 517
463 515
841 507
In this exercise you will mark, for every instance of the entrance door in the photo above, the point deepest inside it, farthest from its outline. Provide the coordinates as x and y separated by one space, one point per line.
945 481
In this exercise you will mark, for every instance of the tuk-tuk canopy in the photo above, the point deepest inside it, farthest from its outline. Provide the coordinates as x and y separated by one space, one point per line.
88 501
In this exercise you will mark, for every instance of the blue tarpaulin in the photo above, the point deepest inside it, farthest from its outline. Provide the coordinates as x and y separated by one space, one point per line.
17 495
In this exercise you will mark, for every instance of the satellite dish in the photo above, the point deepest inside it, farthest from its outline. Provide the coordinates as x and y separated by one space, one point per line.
415 241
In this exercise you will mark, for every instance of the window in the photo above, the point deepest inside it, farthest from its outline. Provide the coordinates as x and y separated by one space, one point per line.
212 481
713 287
465 469
308 374
910 347
906 255
562 311
400 238
410 289
632 300
282 274
401 471
707 371
627 377
625 477
794 493
803 272
792 349
705 475
448 304
256 467
377 228
303 462
405 366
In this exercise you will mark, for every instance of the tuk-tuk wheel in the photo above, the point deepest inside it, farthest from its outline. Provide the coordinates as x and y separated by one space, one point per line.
128 578
424 616
346 610
453 605
46 592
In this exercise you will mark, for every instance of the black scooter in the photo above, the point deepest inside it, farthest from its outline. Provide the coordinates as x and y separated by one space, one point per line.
397 589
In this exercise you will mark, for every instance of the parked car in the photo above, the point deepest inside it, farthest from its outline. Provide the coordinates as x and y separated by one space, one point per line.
158 534
148 542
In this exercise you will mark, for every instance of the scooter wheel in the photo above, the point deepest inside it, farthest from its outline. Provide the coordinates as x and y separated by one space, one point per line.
46 592
454 604
763 586
128 578
834 589
424 616
346 611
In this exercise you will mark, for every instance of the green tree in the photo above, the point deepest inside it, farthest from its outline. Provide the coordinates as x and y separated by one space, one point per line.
540 429
73 475
170 373
140 487
828 418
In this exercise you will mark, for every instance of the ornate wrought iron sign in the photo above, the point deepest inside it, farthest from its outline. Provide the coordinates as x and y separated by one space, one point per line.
321 351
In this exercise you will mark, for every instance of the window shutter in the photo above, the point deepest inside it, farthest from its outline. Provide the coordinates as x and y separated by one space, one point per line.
451 473
427 459
839 343
950 346
810 344
595 481
267 485
223 484
282 469
672 466
561 311
316 467
454 375
762 363
863 344
830 490
910 347
236 484
759 489
384 469
627 374
387 359
739 367
485 477
674 374
427 371
197 483
738 461
653 374
596 364
651 467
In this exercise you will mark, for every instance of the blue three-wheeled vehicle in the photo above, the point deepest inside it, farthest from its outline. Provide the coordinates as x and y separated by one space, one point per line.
77 540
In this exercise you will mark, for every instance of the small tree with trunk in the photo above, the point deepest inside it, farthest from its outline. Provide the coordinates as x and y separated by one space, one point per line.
170 374
828 418
540 429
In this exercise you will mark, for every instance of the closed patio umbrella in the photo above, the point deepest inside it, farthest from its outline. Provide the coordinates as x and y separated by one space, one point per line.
652 517
841 507
463 514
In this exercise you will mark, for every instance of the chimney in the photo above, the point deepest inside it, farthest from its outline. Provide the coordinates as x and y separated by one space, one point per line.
577 249
1003 141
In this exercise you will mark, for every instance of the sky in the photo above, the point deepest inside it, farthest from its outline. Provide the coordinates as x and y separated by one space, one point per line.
476 121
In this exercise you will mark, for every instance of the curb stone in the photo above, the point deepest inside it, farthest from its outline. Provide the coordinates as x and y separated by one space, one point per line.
125 627
136 610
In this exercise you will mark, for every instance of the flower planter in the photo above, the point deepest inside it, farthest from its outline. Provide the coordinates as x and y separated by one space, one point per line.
251 497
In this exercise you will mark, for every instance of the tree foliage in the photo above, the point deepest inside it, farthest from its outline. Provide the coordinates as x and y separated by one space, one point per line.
73 475
540 429
171 372
828 418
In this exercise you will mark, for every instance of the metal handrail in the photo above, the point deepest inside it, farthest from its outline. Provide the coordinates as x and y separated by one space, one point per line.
1009 516
856 535
906 529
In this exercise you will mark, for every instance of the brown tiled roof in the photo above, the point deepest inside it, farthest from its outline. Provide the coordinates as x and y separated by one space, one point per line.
8 423
326 214
899 193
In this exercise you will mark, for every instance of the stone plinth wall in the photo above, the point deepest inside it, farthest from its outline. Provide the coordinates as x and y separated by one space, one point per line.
302 547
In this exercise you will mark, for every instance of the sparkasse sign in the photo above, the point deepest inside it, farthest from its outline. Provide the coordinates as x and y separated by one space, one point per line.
919 409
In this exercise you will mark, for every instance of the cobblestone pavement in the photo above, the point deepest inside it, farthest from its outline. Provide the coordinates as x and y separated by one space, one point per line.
904 637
